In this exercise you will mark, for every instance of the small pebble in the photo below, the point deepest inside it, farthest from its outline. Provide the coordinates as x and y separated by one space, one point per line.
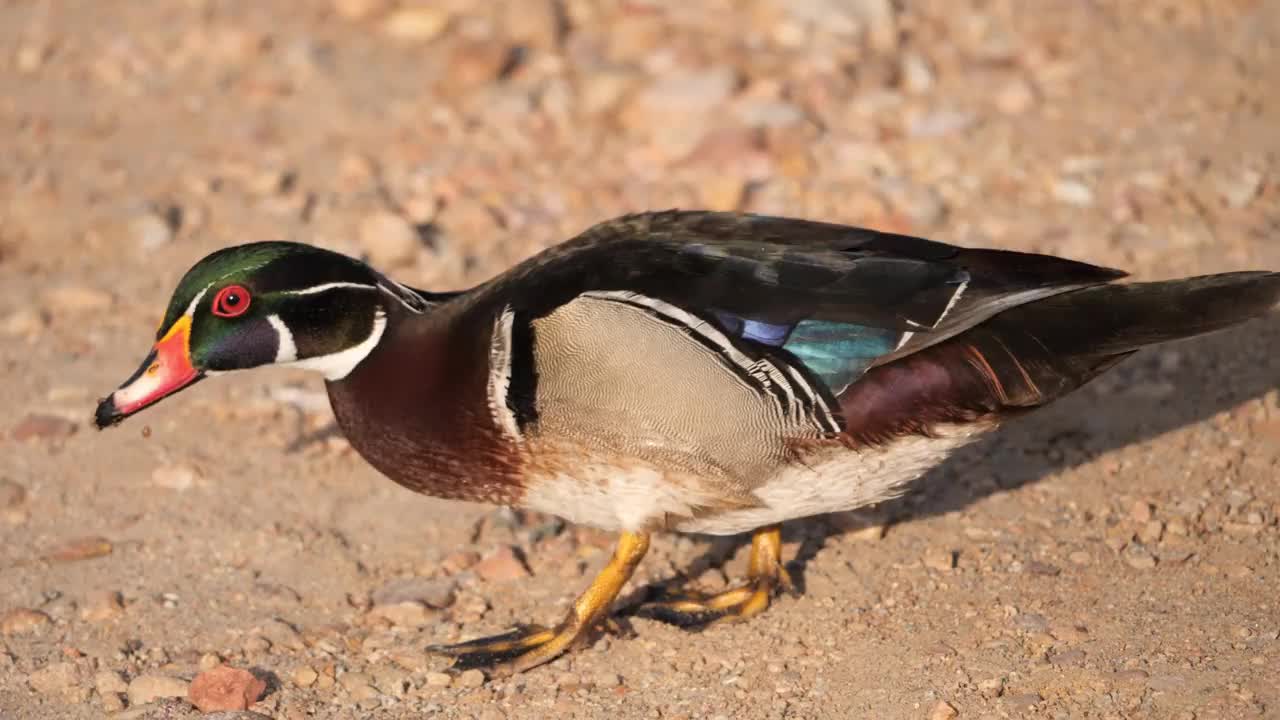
608 679
31 56
568 682
1024 702
102 606
409 613
225 688
439 679
149 686
943 710
112 703
917 76
175 477
1139 557
54 679
416 24
86 548
209 661
11 494
109 681
1015 97
358 685
38 426
150 231
24 621
472 678
460 561
1151 532
282 634
502 565
1136 675
1239 189
1067 658
256 645
1141 511
991 687
305 676
1072 192
940 559
24 322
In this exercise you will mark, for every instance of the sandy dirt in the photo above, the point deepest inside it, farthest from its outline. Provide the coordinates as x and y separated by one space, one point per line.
1116 555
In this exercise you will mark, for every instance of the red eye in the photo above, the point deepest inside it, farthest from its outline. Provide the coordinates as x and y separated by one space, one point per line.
231 301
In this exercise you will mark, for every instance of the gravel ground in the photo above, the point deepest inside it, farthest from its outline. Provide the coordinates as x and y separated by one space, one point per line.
1114 556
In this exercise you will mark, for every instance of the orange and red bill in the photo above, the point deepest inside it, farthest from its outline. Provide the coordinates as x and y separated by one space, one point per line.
166 370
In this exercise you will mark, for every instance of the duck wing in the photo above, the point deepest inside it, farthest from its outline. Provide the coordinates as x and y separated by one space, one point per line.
837 299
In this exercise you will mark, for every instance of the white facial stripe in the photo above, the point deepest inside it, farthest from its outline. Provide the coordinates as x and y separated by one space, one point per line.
336 366
400 293
406 297
328 286
500 375
191 309
286 350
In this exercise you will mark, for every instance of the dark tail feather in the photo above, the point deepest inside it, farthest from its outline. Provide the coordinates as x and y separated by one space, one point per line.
1035 353
1053 346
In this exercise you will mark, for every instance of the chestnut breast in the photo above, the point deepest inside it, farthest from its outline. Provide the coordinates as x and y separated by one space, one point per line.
416 409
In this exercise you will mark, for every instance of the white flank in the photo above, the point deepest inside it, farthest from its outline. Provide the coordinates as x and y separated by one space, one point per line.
838 480
601 495
286 350
336 366
500 375
628 496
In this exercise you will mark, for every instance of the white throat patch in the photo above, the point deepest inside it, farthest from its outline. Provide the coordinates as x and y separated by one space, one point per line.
333 366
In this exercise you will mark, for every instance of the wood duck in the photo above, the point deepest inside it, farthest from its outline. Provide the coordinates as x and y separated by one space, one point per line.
682 371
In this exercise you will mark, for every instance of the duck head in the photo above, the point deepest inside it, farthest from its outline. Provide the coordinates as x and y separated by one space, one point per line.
270 303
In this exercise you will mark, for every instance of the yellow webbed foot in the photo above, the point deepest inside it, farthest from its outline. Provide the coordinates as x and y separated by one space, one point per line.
765 577
529 646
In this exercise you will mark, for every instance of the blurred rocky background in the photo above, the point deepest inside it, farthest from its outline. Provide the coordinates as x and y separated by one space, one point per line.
1117 558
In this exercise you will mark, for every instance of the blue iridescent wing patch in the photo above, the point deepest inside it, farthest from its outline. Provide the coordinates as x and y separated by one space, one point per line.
838 353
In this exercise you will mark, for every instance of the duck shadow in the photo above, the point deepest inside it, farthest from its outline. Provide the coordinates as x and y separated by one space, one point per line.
1157 391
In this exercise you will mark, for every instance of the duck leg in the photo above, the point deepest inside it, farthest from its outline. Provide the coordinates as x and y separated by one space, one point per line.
765 576
530 646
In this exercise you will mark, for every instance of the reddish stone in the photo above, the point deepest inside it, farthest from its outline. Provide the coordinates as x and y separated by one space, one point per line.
502 565
225 688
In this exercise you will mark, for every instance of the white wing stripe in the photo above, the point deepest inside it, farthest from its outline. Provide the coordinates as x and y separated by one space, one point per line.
500 375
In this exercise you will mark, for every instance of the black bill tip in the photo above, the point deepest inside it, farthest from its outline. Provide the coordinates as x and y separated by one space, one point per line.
107 413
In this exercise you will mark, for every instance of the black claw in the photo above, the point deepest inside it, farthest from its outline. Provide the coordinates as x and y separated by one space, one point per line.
483 660
683 620
474 655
